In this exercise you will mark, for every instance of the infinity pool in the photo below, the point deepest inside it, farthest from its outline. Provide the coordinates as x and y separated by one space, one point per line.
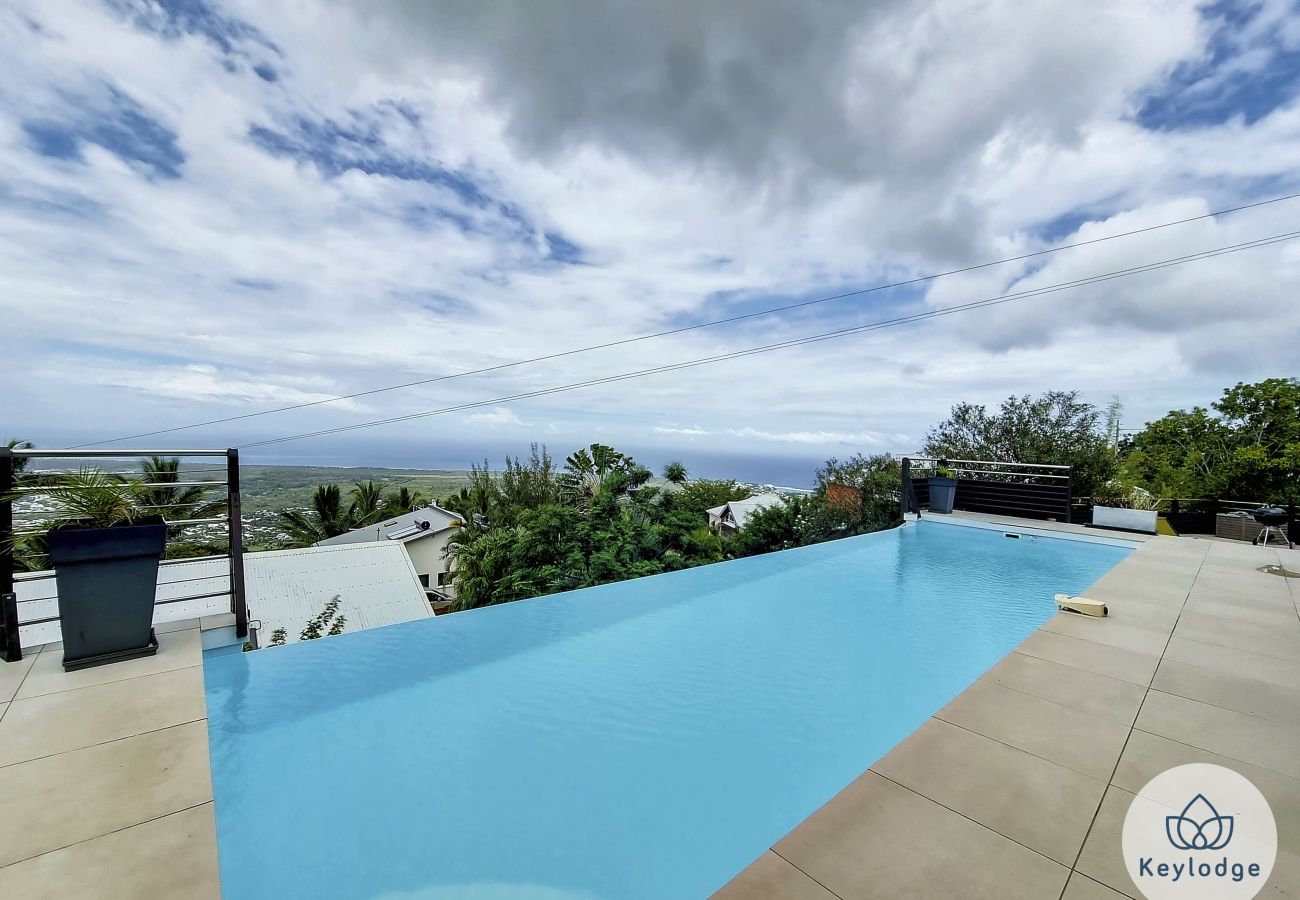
646 739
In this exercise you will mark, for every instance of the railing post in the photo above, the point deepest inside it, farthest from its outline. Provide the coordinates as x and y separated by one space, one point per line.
235 514
1069 495
9 641
904 485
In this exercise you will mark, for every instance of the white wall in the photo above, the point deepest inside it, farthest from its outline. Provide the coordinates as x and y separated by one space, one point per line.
426 556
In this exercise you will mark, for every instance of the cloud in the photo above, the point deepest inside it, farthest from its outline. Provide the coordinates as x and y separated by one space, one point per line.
497 416
864 439
219 207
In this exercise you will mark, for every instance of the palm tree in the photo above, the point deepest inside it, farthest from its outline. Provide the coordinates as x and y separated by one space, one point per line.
327 517
675 472
483 570
368 504
404 501
160 494
587 470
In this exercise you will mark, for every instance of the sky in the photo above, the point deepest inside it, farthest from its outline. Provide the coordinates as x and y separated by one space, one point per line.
210 208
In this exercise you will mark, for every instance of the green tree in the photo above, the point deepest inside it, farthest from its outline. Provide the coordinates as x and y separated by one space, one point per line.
592 469
1056 428
1248 448
776 527
326 518
675 472
159 493
701 495
527 485
861 492
404 501
369 505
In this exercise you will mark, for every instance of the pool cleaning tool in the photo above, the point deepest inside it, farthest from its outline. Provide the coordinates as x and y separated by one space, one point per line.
1081 605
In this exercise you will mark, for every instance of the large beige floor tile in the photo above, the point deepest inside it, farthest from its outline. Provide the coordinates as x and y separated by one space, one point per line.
1099 695
161 628
1246 587
1082 887
1076 740
1280 672
60 800
876 839
1111 632
1262 742
176 650
1283 643
1147 755
13 673
69 720
171 857
1126 610
1034 802
1257 698
772 878
1264 617
1091 656
1102 858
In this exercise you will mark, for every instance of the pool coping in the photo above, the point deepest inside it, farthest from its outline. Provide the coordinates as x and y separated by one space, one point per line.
1018 787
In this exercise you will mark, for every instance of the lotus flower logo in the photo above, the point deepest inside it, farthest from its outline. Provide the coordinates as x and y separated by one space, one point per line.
1199 827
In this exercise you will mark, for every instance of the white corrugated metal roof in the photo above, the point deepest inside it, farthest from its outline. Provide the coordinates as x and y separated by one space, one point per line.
376 584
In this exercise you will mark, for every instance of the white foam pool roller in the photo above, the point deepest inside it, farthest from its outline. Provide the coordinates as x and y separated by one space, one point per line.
1081 605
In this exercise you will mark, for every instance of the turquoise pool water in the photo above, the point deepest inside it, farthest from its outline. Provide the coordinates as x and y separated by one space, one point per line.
644 740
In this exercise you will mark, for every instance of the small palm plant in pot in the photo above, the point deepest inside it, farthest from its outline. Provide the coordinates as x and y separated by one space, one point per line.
105 550
943 488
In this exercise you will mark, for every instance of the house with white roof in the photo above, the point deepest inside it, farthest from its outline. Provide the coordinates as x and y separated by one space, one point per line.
423 533
732 516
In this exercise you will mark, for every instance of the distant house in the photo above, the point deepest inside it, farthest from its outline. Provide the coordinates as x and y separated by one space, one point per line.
732 516
423 533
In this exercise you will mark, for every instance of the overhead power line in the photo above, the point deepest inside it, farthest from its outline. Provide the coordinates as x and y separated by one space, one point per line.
696 327
796 342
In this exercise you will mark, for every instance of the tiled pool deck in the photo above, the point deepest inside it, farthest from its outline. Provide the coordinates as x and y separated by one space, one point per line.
105 788
1017 789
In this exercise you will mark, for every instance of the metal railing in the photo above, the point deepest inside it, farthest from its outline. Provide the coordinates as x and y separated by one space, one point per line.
22 515
1030 490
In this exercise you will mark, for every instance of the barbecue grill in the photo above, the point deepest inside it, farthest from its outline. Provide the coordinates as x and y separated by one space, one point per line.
1273 518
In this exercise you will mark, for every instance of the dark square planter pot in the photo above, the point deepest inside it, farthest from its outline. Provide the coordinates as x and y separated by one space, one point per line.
943 492
107 578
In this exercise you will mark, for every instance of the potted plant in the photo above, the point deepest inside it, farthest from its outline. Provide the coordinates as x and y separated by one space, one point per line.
105 554
943 488
1116 505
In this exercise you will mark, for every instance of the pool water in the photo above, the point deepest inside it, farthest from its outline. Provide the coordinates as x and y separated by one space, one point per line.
646 739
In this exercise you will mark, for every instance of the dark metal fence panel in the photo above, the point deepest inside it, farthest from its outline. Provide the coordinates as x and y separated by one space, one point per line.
9 641
1035 501
235 513
1024 490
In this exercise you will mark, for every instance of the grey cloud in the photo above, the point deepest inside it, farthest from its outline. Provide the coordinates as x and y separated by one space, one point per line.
786 93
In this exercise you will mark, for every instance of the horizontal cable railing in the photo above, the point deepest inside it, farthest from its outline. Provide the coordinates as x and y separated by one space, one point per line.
189 497
1033 490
